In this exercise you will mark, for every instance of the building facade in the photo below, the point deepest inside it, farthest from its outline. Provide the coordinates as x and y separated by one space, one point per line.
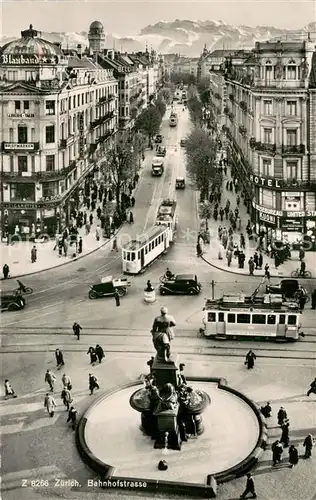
266 107
57 113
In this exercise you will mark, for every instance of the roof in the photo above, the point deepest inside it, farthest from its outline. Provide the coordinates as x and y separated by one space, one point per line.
166 210
29 46
96 25
221 53
82 62
185 277
135 245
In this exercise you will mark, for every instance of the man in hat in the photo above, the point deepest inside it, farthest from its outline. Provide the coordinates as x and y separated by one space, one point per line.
250 487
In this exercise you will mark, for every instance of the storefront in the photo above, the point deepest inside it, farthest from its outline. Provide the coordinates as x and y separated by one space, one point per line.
18 219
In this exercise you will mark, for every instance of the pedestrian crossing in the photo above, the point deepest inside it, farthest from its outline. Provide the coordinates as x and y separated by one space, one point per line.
41 477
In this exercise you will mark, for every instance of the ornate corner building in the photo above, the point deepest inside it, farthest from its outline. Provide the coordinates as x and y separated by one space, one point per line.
265 102
59 110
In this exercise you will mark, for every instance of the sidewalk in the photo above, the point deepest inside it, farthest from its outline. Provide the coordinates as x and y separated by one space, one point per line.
210 251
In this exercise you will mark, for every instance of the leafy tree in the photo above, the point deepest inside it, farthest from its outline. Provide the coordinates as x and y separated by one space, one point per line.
195 110
201 155
149 122
161 106
185 78
166 93
205 212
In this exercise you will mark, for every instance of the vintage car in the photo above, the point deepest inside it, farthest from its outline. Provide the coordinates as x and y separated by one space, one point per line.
158 139
182 143
181 284
180 183
12 301
161 151
108 287
289 289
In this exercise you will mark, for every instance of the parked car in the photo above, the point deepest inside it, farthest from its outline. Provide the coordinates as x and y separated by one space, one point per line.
289 289
108 287
161 151
182 284
182 142
180 183
12 301
158 139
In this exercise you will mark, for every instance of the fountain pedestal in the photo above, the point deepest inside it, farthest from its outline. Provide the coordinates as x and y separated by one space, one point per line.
168 435
166 373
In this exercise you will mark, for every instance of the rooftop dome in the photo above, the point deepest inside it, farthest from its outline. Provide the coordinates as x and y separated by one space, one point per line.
30 45
96 25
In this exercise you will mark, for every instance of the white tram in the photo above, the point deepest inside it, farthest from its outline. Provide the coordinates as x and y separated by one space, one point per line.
167 215
138 254
265 317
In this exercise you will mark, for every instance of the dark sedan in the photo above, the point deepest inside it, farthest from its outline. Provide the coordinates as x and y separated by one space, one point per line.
182 284
12 301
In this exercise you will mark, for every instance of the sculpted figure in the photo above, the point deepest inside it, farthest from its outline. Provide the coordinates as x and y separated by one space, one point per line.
168 398
162 334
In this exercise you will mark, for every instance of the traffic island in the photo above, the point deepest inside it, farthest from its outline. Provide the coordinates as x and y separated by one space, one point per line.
112 442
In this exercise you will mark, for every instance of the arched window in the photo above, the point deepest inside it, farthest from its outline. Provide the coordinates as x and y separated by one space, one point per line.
292 70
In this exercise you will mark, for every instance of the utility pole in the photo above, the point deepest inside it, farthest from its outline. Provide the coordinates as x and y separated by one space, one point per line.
213 289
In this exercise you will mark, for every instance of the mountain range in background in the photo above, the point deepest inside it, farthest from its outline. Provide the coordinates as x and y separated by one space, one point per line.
184 37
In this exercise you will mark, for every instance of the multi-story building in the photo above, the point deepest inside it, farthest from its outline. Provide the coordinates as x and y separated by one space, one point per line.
212 61
57 112
267 109
188 65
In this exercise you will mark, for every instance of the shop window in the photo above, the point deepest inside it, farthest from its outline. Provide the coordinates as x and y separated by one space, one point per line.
22 164
22 192
50 163
50 134
50 107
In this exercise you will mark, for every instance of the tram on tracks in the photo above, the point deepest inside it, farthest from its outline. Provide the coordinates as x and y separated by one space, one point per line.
173 120
167 216
266 318
138 254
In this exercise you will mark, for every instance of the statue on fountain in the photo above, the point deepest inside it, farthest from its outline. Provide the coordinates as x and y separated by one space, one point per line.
168 399
162 334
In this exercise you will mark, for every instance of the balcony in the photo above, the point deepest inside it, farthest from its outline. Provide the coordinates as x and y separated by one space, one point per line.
262 146
242 130
243 106
27 147
101 119
64 143
298 149
105 98
104 137
40 175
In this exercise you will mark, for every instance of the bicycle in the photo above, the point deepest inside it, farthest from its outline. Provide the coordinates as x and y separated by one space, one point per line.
298 274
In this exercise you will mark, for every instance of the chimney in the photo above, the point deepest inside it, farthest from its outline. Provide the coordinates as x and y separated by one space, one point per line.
79 50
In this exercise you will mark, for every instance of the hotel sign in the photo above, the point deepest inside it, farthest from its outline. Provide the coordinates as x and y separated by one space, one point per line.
27 60
17 146
264 181
21 115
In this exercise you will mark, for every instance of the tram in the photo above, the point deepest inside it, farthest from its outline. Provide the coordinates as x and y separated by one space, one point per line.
140 253
173 120
167 215
267 317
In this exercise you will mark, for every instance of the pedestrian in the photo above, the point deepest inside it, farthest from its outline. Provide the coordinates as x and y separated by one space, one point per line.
241 259
302 269
93 383
250 487
117 299
251 266
76 329
285 439
293 456
260 260
149 287
312 388
50 378
199 252
59 358
131 218
302 301
98 233
99 211
221 213
66 397
8 390
301 254
242 243
229 256
277 450
314 299
266 410
50 404
99 352
114 246
132 201
5 271
80 245
72 417
93 356
267 271
308 445
282 416
66 381
250 359
256 259
33 254
91 219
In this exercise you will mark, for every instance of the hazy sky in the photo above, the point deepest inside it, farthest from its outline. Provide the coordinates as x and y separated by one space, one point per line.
129 16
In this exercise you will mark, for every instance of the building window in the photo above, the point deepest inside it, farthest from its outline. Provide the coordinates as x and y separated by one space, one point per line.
291 170
12 76
291 108
50 189
17 105
50 134
32 164
269 73
266 167
22 135
11 160
22 192
291 137
50 108
74 101
26 105
291 72
50 163
69 103
22 164
267 107
78 100
267 135
11 135
267 198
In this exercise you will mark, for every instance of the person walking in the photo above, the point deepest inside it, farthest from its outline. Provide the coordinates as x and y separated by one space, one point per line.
50 404
282 416
66 397
93 356
72 417
114 246
260 260
66 381
99 352
267 272
93 383
251 266
285 439
76 329
131 218
312 388
117 299
132 201
50 378
59 358
98 233
5 271
293 456
250 359
277 450
302 269
80 245
33 254
250 487
8 390
266 410
308 445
